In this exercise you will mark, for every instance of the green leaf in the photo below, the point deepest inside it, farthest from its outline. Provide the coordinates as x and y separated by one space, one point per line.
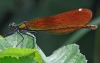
15 39
21 52
1 36
17 52
67 54
23 49
15 60
4 44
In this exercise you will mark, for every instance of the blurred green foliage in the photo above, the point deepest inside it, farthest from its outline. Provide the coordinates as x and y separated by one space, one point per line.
19 11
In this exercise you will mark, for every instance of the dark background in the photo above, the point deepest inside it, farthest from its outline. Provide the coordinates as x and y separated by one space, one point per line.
19 11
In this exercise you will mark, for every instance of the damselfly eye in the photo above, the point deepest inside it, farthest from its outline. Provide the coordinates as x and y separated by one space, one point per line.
12 25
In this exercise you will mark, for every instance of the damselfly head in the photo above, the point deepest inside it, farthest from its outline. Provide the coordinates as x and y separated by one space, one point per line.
12 25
